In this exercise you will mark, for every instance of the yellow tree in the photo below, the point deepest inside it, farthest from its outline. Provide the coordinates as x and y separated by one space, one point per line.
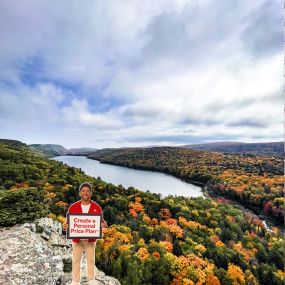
235 274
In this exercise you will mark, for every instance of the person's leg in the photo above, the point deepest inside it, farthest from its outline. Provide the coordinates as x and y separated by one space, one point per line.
77 249
89 248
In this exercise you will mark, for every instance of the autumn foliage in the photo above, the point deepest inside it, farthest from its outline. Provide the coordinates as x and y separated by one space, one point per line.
171 240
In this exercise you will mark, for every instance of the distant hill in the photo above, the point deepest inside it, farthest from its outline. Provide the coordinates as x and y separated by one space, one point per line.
270 148
80 151
49 150
13 143
52 150
110 151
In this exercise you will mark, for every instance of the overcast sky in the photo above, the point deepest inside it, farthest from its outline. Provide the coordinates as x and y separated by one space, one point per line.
135 73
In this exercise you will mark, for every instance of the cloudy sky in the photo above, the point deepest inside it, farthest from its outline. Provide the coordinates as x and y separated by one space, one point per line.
135 73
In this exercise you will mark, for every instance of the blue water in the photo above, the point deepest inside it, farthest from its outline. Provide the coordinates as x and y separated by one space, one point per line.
143 180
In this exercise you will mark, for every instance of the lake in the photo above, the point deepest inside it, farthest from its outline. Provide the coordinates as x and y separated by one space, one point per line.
143 180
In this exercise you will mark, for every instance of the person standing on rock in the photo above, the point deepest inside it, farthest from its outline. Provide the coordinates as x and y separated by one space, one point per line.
85 205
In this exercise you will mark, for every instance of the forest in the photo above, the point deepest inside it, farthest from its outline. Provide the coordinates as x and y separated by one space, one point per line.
150 239
266 149
255 181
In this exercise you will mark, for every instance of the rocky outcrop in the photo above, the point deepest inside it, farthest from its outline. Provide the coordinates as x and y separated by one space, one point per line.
38 254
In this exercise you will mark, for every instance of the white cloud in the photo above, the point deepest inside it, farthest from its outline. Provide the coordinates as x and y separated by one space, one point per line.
180 70
78 113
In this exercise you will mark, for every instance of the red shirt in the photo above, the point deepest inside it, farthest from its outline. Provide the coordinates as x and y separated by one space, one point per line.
95 208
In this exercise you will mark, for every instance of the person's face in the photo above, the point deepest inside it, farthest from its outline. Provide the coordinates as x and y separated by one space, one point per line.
85 193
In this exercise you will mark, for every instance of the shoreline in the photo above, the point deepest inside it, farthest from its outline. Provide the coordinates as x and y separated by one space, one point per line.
205 193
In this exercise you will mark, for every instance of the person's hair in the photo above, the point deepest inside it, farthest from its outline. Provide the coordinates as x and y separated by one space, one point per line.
85 184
